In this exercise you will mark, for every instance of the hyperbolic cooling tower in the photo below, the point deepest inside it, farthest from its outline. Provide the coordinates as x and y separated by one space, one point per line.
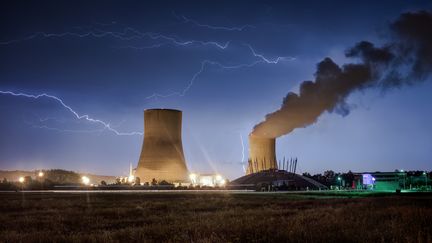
262 155
162 151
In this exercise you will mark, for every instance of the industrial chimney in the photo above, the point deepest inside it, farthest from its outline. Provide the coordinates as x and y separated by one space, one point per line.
162 151
262 155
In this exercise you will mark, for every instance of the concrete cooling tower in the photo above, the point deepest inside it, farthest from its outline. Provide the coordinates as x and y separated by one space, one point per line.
162 151
262 155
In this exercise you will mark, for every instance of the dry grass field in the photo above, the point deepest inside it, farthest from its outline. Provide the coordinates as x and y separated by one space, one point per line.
213 217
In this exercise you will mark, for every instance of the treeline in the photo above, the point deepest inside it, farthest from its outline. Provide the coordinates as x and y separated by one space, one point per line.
329 177
48 180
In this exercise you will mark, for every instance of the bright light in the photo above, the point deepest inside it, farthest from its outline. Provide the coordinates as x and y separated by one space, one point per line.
424 172
220 180
85 180
401 170
339 178
193 178
21 179
131 178
373 178
209 180
206 181
40 174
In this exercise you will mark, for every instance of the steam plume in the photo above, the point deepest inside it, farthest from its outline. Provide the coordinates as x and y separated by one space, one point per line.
405 60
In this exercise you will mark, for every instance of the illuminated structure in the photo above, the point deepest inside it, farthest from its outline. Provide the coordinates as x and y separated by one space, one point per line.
208 180
262 155
380 181
162 151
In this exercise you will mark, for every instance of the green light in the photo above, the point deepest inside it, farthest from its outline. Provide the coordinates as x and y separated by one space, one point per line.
424 172
339 178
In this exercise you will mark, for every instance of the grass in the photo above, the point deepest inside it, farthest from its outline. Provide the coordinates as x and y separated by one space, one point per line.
213 217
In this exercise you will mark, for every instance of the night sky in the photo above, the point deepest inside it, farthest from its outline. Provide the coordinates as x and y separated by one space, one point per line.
225 65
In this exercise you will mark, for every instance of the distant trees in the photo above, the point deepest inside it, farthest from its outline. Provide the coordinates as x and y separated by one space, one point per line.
58 176
103 183
5 185
328 178
306 174
27 179
165 183
348 178
329 174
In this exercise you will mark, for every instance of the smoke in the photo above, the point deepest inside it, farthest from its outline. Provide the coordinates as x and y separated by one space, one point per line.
405 60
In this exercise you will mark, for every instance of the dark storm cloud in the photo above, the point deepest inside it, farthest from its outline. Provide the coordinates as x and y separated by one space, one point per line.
405 60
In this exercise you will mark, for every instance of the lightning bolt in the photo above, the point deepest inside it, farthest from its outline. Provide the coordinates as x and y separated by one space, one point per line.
131 33
128 34
204 64
121 36
64 130
243 148
106 126
186 20
64 121
269 61
243 153
175 42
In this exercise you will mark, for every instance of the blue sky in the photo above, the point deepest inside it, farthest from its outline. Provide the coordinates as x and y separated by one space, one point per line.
111 60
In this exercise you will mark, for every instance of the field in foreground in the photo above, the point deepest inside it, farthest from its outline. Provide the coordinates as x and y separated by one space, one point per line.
213 217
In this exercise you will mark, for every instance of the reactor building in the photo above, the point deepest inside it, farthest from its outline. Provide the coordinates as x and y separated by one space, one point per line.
264 172
262 154
162 155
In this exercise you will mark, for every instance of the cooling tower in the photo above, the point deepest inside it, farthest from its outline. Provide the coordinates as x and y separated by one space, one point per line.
162 151
262 155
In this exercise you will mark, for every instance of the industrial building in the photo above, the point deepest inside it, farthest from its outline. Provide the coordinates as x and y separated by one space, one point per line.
162 155
162 158
264 172
262 155
207 180
379 181
272 179
390 181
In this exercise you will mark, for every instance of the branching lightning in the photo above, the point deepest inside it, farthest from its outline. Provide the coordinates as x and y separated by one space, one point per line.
204 64
128 34
64 130
106 126
179 43
274 61
186 20
64 121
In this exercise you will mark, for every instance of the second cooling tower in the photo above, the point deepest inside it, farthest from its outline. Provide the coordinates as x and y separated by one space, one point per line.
162 155
262 155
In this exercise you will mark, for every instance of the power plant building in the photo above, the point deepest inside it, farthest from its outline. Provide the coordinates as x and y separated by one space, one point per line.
262 154
162 155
